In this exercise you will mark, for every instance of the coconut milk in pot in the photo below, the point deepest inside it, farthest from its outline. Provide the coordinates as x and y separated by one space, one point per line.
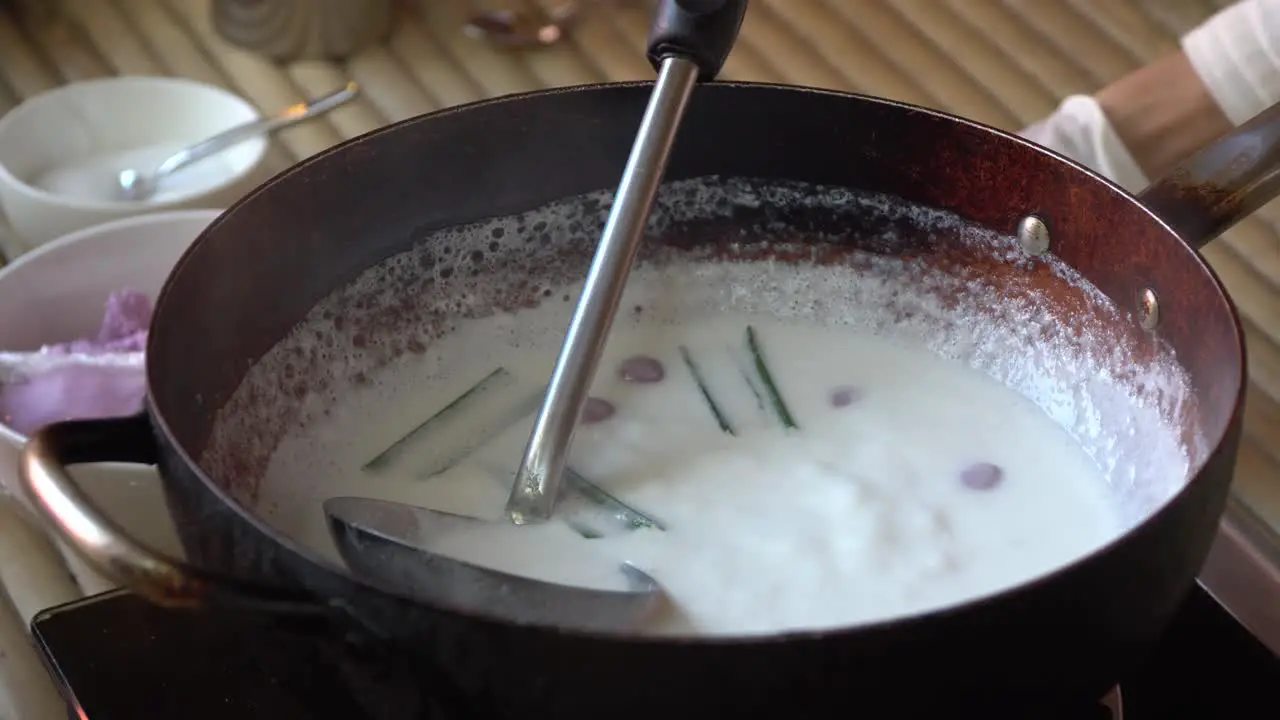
818 445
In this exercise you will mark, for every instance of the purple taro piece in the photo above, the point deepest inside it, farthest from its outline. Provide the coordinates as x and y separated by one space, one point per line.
981 476
123 329
641 369
128 313
845 396
82 387
134 342
72 392
597 410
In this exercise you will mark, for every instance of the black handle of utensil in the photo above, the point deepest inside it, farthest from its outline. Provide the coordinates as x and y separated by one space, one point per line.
1222 183
71 514
702 30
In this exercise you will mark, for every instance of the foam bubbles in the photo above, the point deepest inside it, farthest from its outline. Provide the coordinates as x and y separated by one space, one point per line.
733 244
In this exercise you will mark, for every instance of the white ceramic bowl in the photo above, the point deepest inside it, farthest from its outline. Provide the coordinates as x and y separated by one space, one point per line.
58 292
85 132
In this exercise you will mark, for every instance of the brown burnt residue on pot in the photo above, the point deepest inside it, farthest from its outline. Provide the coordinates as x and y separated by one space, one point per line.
920 274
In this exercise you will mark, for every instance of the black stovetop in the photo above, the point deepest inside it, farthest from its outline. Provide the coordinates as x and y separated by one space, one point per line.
117 657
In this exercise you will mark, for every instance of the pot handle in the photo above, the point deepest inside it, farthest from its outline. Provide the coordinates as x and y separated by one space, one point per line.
1222 183
58 500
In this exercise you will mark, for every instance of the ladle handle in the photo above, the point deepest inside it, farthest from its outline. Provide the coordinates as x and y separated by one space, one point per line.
537 484
703 31
1222 183
689 42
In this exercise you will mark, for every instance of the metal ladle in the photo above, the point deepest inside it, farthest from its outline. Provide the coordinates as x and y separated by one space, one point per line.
389 542
689 41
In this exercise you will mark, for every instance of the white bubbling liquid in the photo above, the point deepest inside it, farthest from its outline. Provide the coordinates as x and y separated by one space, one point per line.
860 514
923 281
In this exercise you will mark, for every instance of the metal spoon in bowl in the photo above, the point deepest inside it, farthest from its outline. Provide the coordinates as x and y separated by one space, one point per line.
389 542
137 185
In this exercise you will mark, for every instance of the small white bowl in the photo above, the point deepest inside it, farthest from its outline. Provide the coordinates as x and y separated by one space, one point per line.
60 152
58 292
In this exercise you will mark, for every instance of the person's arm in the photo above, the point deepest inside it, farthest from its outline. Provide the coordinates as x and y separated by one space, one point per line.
1162 113
1141 125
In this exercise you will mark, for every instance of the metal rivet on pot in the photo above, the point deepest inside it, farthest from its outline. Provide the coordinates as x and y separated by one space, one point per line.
1148 308
1033 233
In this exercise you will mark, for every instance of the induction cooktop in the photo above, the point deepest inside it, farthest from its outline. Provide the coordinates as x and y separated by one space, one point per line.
115 656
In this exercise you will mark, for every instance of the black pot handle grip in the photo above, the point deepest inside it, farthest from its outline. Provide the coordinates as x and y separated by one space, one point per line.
71 514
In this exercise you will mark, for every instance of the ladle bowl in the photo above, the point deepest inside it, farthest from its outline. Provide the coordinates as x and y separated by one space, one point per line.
390 543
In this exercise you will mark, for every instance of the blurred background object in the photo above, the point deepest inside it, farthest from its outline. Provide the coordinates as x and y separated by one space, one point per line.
33 12
290 30
527 24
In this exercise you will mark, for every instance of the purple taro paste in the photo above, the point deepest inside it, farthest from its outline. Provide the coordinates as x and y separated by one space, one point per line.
845 396
597 410
84 386
982 476
641 369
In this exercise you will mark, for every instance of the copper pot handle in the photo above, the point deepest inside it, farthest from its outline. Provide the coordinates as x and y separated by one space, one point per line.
166 581
1222 183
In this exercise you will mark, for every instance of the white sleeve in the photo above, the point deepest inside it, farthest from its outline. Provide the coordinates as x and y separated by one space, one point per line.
1237 54
1080 130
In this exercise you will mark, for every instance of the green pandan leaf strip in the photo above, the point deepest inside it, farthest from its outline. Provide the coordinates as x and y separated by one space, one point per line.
716 412
454 413
766 377
630 517
588 509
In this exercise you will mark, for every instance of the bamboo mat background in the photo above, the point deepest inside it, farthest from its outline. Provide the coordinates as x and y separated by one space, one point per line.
1003 62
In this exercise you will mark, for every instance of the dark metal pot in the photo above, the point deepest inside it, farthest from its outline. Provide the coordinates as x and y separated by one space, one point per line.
256 271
